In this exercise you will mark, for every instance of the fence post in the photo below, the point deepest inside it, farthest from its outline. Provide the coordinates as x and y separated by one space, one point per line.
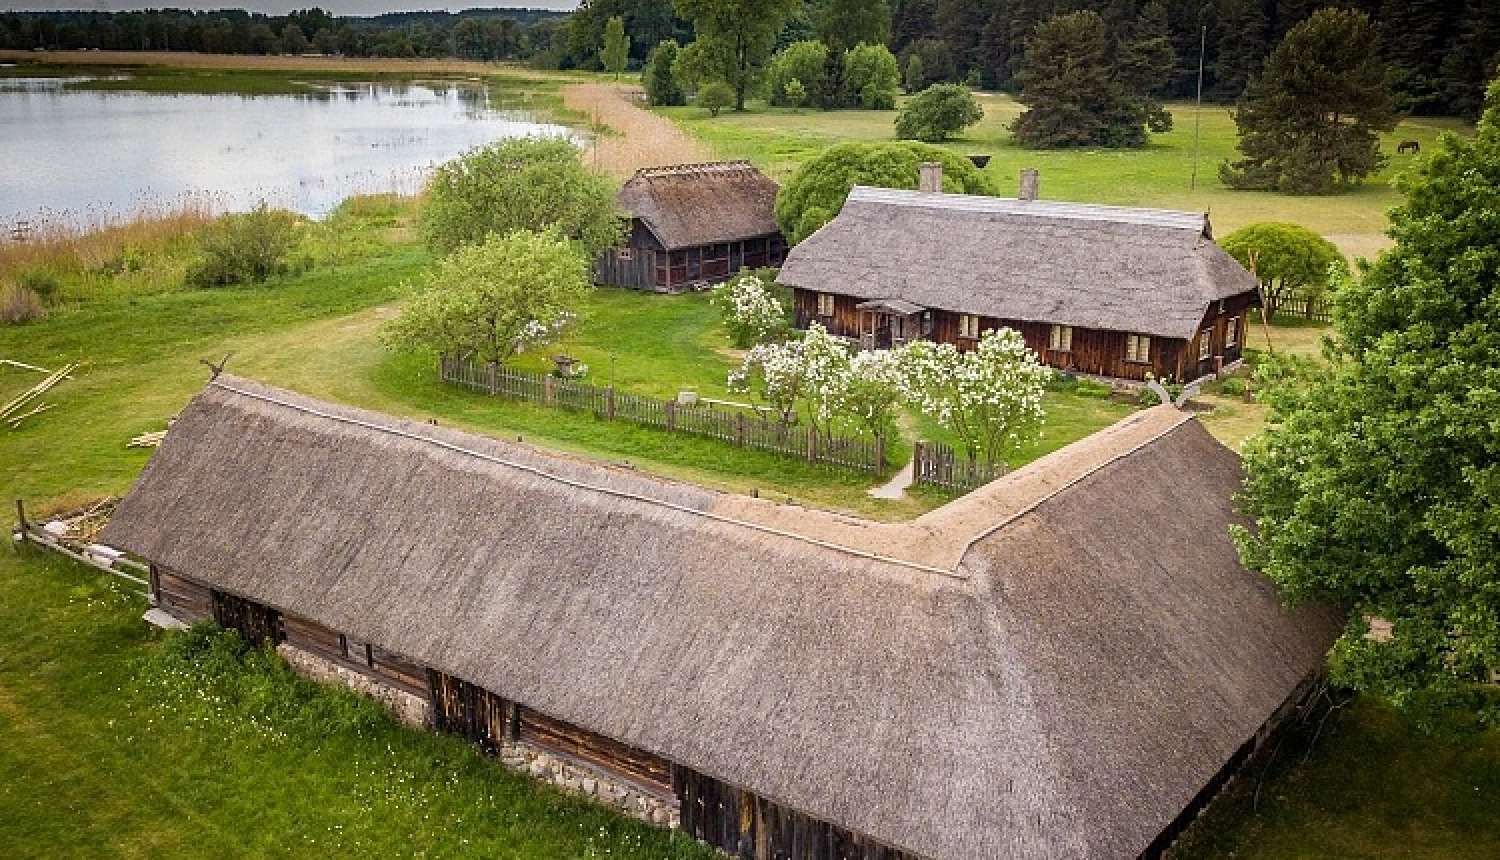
879 453
547 393
21 518
739 429
918 461
671 415
491 381
812 444
609 403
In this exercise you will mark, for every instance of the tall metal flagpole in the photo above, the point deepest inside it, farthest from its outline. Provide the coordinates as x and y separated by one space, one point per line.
1198 110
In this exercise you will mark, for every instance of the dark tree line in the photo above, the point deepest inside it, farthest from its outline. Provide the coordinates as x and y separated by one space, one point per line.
1440 52
482 34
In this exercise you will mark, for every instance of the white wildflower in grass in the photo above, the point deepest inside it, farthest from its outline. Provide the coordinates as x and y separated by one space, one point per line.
751 313
990 397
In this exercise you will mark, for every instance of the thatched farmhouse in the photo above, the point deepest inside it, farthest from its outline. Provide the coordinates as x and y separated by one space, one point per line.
1101 290
694 224
1064 664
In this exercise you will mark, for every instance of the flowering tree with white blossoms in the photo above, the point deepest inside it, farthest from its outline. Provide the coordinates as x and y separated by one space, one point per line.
991 396
819 375
751 313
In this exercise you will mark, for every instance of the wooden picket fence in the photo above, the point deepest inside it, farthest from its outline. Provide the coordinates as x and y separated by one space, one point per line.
734 426
938 465
1317 310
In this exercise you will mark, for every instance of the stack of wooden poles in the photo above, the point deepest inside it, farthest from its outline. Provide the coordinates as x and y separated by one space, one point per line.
16 411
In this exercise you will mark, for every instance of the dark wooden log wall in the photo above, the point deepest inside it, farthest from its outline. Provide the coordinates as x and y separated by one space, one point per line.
181 597
258 624
653 772
745 825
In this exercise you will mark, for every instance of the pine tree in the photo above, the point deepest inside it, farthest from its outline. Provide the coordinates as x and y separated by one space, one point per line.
1309 124
1242 48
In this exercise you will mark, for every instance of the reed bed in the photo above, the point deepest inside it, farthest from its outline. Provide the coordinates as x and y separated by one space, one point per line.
626 136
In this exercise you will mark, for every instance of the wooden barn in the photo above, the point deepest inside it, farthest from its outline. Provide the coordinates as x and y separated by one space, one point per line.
1101 290
692 225
1064 664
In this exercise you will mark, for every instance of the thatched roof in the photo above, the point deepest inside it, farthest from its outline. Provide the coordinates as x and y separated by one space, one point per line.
1050 668
1102 267
688 205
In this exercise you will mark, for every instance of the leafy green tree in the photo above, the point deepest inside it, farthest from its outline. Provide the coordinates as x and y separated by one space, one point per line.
1376 484
937 113
1075 95
816 192
697 62
1288 260
616 48
915 78
1310 123
742 32
661 84
245 248
843 24
520 183
495 299
796 94
936 63
801 61
871 77
714 96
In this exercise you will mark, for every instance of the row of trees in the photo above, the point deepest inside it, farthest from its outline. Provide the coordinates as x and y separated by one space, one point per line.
480 35
990 397
1439 52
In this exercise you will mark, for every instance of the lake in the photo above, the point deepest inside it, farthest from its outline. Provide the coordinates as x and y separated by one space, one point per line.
82 157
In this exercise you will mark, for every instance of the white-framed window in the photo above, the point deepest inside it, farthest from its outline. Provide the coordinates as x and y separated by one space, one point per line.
1137 348
825 304
624 255
1232 332
1061 339
1205 344
968 326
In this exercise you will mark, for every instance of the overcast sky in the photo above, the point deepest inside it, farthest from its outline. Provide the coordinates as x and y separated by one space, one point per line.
281 7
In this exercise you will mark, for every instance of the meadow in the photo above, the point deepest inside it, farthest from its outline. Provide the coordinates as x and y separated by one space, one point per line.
114 744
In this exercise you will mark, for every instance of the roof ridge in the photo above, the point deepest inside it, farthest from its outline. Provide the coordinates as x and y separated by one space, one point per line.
729 166
1176 219
584 485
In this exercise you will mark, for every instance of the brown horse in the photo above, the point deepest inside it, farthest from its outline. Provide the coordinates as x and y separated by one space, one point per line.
1410 146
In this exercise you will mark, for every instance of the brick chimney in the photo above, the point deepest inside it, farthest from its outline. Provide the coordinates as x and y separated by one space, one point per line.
1031 181
931 177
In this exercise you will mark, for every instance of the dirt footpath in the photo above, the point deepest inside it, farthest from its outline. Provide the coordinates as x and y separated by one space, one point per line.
633 136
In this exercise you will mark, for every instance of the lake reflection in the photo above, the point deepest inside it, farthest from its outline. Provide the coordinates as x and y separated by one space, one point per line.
81 156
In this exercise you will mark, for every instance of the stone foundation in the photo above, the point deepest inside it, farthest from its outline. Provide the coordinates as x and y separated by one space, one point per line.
568 774
411 710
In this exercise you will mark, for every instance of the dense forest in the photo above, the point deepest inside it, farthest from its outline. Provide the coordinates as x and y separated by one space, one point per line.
1439 52
480 34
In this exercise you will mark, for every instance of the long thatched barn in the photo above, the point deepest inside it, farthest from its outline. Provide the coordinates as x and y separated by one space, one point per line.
1064 664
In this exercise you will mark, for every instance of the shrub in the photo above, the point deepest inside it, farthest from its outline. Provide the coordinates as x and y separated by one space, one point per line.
1234 386
19 304
714 96
871 77
937 113
39 281
752 312
662 86
800 61
244 248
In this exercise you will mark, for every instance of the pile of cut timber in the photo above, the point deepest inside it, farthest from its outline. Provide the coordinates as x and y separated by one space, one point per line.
16 411
147 440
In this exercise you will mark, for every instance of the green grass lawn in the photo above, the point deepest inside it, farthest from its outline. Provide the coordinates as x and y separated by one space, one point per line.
778 140
114 747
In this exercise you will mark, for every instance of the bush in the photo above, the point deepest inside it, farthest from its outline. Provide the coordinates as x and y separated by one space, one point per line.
19 305
244 248
39 281
753 312
937 113
871 77
799 61
1234 386
714 96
